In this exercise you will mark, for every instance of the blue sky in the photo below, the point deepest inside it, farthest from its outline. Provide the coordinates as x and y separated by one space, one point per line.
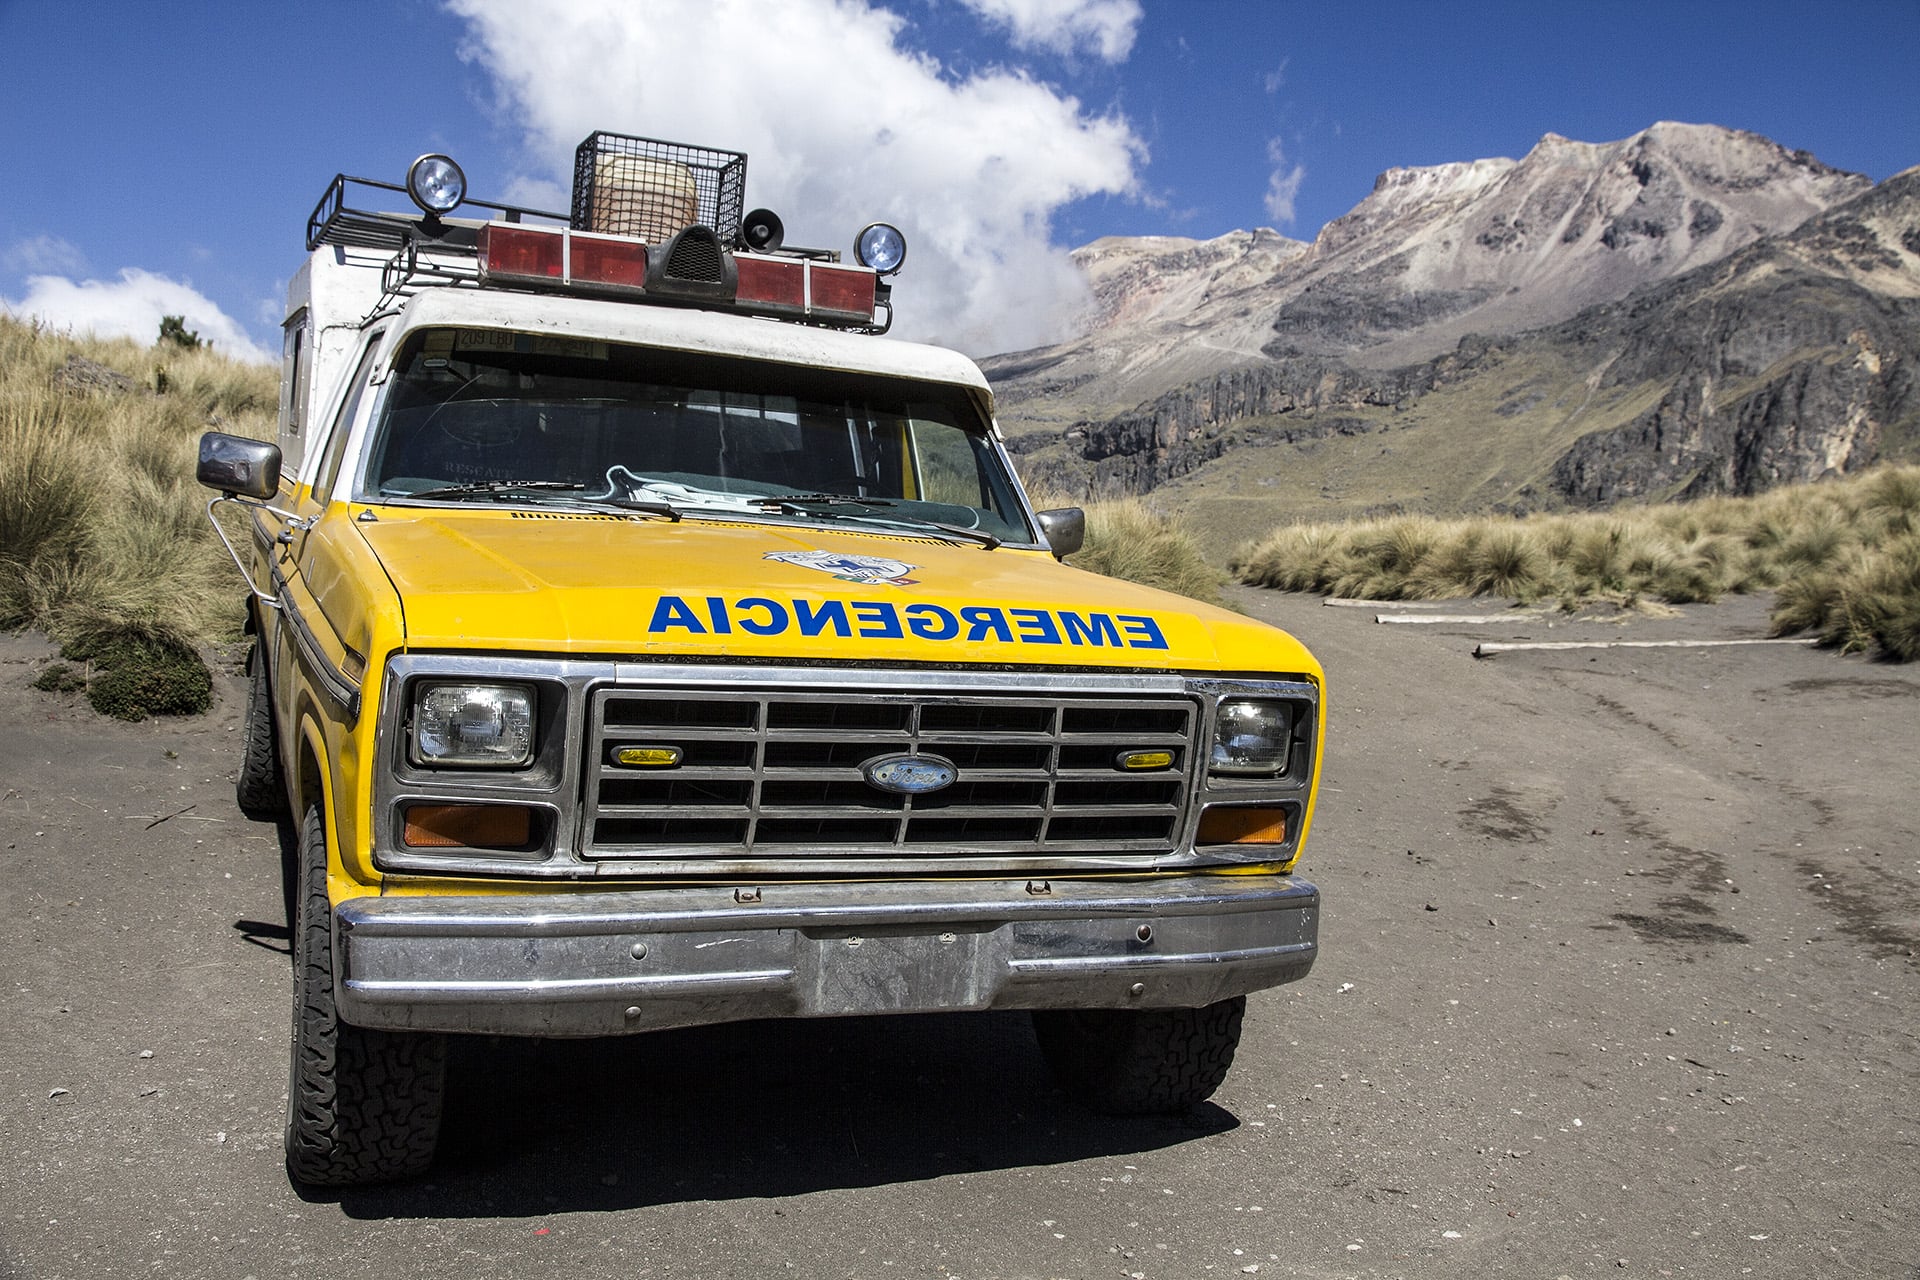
163 158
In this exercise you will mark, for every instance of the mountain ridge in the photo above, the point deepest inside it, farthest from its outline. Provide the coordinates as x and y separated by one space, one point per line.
1253 340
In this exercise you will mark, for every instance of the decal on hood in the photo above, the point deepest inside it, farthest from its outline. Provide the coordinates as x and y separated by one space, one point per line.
871 570
883 620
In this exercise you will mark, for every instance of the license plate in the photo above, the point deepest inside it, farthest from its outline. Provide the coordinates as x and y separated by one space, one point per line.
853 972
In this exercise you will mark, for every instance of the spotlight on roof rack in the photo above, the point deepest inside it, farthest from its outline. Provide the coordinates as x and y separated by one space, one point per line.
436 184
881 247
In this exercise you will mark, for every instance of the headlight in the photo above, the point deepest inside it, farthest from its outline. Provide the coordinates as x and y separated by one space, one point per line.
1251 737
436 184
473 725
881 247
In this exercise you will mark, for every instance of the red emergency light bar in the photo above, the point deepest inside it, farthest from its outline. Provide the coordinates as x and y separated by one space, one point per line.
787 288
803 289
542 257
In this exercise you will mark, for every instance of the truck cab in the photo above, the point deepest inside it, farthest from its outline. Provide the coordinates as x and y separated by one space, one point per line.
642 639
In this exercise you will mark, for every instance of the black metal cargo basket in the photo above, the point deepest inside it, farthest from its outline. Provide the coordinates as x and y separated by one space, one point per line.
643 187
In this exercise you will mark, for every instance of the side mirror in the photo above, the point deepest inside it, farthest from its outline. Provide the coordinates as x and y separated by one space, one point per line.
1065 529
238 466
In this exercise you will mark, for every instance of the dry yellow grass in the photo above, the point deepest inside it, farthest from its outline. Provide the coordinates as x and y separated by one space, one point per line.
1845 556
1127 538
102 526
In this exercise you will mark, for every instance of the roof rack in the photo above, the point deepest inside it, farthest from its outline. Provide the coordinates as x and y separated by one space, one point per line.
333 221
652 221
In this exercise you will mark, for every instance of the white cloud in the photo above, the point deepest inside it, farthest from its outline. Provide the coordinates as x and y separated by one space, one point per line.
843 127
1105 27
130 307
38 254
1283 184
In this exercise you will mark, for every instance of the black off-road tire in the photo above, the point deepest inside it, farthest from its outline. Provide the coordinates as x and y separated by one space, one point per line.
259 787
362 1106
1138 1062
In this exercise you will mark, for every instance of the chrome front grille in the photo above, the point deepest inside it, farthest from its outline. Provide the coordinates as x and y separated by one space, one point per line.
780 774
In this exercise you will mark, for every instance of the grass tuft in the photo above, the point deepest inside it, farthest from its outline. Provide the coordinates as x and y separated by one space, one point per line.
1127 539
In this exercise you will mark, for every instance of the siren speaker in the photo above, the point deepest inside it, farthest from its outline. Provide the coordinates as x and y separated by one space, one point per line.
762 231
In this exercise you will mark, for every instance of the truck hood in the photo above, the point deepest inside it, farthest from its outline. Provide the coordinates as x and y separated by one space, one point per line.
586 583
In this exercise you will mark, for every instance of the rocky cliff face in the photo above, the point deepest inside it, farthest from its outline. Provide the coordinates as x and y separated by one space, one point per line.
1721 314
1794 359
1279 402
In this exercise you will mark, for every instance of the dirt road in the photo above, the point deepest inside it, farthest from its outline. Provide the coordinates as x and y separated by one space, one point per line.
1619 978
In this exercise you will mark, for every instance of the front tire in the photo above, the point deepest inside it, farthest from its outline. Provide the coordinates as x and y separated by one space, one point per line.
259 786
1141 1061
362 1106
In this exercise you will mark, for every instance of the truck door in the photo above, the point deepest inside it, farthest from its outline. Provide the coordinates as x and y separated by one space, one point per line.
309 649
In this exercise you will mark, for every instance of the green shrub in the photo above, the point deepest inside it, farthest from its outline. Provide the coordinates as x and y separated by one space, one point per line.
170 687
60 678
140 670
173 329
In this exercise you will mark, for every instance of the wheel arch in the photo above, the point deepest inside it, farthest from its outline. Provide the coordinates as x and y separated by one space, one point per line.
313 780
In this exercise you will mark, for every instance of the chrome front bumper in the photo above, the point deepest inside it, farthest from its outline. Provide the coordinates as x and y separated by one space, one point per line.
608 963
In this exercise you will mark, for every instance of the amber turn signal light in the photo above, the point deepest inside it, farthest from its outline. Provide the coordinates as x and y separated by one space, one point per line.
648 757
468 826
1242 826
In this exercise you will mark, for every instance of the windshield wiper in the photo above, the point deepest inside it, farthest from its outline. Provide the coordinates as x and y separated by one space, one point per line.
634 504
987 540
802 501
495 487
506 488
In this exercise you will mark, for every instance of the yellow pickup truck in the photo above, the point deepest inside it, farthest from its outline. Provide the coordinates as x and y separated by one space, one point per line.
643 640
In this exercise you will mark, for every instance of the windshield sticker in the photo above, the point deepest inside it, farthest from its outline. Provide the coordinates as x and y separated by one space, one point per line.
871 570
500 340
883 620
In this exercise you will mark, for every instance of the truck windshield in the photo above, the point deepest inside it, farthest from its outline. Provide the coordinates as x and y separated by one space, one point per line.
489 415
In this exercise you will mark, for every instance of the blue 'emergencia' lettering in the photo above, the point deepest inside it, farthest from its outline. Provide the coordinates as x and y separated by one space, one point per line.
884 620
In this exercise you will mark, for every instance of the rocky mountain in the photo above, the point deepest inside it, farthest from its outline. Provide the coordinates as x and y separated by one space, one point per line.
1495 246
1688 310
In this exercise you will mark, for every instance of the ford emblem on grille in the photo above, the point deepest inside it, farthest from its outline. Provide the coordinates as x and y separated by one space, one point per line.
910 775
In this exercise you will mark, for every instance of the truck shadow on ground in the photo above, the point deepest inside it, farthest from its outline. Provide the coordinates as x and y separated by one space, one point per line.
751 1111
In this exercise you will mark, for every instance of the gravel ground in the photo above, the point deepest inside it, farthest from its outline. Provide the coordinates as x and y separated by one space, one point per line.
1618 978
